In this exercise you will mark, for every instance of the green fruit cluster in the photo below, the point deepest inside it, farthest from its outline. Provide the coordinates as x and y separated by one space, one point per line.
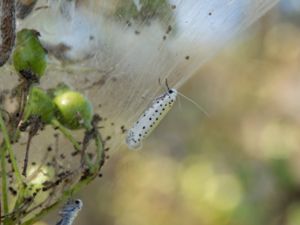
72 109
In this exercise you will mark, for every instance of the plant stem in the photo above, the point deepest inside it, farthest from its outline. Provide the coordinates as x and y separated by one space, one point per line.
100 151
4 183
15 167
10 150
67 133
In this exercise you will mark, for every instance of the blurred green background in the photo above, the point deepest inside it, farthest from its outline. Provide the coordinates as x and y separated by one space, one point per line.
240 166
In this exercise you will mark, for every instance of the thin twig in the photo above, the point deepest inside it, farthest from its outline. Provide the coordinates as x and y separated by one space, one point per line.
66 133
35 125
89 134
100 150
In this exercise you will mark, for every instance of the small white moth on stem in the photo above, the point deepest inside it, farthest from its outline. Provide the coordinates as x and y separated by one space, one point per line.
69 212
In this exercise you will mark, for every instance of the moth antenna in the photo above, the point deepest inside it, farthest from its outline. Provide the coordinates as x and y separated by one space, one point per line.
196 104
167 85
159 81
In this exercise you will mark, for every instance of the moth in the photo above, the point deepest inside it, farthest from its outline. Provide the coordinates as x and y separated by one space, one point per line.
153 115
150 118
69 212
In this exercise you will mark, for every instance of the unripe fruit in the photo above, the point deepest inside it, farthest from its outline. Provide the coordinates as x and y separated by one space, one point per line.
74 110
29 56
39 104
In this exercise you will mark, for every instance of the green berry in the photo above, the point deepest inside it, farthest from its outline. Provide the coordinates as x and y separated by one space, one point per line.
39 104
74 110
29 56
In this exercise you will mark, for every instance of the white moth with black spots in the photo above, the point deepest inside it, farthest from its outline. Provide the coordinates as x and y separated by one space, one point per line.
69 212
149 120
